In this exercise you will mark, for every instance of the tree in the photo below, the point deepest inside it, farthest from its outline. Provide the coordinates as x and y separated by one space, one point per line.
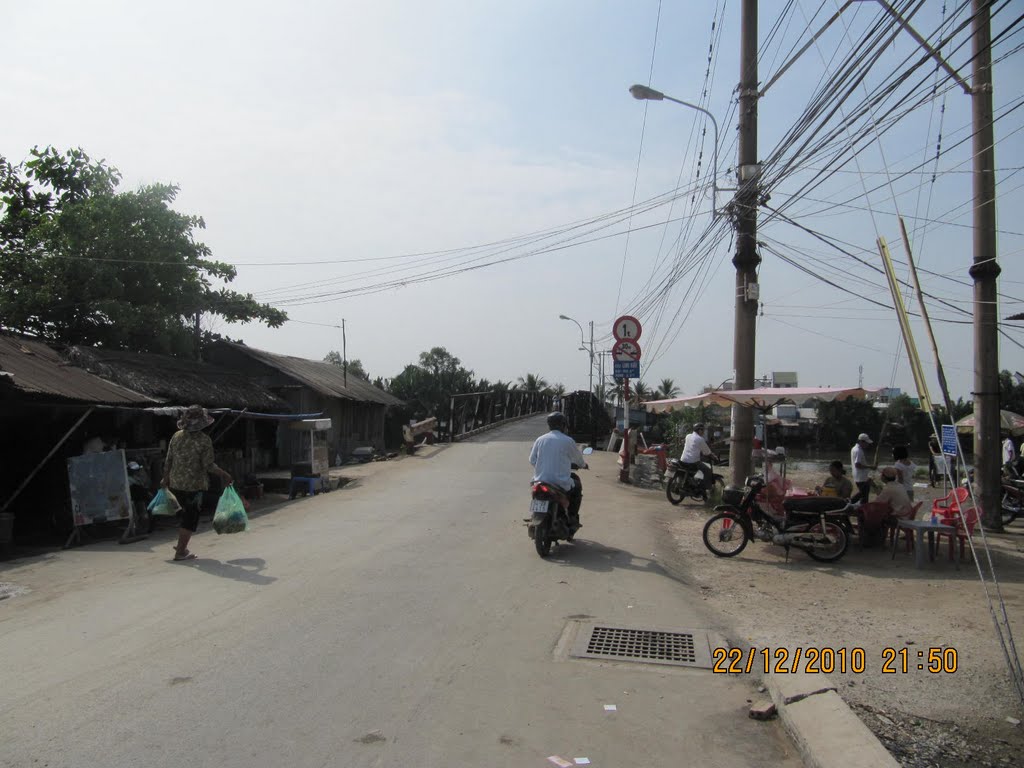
355 366
532 383
427 385
840 421
639 393
557 389
666 390
83 263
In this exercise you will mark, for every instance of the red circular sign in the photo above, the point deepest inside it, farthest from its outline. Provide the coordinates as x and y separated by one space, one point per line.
627 328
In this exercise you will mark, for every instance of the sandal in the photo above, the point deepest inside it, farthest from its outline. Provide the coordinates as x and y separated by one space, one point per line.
187 556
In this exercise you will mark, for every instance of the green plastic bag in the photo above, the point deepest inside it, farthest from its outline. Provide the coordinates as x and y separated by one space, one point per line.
230 516
164 503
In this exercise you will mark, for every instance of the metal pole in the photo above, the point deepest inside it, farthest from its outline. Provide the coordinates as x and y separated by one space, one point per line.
591 357
624 472
985 270
746 259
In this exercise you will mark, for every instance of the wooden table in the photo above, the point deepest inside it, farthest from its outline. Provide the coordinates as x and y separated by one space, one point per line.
920 527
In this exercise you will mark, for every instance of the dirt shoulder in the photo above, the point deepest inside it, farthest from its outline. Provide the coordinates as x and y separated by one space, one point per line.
870 601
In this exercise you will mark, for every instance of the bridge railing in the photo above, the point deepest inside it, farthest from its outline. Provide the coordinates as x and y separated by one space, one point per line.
477 412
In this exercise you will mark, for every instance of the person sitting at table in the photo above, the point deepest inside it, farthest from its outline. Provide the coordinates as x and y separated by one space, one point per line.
837 483
892 503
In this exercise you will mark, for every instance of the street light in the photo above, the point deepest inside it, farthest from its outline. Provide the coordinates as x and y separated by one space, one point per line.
583 342
643 93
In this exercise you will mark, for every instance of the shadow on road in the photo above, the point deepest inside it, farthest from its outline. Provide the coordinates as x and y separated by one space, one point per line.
595 556
245 569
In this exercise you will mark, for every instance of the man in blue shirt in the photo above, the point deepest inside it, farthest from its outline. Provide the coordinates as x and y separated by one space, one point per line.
552 458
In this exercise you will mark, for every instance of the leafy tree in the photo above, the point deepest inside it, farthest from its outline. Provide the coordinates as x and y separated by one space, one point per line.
840 421
666 390
84 263
355 366
428 384
1011 393
532 383
557 389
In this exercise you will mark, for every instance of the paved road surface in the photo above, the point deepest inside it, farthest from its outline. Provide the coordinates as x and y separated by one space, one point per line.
406 621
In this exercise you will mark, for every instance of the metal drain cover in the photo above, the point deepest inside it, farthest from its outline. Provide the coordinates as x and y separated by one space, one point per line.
677 647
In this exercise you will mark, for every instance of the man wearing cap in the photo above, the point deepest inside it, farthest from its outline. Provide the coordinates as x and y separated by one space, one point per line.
861 468
187 471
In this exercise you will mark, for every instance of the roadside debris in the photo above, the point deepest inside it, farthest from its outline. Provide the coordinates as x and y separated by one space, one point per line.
762 710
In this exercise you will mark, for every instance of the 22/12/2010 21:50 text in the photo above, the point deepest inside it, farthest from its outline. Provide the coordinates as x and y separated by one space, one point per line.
828 660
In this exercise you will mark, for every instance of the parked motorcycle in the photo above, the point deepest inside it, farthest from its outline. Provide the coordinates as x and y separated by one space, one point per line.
549 515
819 525
686 481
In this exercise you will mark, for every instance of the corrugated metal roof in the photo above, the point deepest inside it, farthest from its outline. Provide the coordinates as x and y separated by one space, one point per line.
177 380
326 378
32 368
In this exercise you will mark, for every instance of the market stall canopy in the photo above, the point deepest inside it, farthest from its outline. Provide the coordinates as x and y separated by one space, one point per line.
763 398
1008 422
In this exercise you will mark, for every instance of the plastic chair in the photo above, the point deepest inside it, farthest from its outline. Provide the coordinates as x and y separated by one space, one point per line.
892 524
950 504
964 528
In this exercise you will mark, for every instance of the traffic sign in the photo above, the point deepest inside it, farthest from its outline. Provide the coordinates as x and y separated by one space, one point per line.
626 369
626 351
949 439
626 328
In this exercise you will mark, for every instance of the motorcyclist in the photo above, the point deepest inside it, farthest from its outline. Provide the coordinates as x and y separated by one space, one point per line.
553 456
694 450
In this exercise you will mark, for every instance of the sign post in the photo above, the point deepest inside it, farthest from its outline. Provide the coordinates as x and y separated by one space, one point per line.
949 453
626 357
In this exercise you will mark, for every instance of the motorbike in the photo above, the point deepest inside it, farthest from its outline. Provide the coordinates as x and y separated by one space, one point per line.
819 525
685 481
549 514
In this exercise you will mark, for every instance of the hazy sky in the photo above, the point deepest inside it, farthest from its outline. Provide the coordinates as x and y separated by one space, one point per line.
341 132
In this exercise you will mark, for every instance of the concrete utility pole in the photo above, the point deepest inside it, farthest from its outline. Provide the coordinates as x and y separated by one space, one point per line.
985 270
746 259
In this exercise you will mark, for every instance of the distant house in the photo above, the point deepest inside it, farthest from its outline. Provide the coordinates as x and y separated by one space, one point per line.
787 379
357 409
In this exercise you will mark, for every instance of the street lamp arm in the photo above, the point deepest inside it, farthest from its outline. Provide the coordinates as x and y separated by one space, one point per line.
643 93
566 317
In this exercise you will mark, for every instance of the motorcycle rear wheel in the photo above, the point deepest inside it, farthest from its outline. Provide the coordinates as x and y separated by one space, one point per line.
842 543
1011 509
675 488
542 537
725 535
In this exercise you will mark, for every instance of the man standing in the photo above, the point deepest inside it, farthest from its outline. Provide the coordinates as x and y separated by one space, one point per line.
694 450
552 457
1009 451
861 468
187 471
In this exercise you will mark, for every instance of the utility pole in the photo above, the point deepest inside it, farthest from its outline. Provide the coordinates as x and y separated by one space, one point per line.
591 357
985 270
746 259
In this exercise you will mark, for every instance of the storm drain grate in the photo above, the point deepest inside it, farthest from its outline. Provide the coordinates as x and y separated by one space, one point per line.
653 646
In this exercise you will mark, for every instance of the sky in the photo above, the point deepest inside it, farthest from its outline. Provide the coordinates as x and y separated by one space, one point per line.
336 150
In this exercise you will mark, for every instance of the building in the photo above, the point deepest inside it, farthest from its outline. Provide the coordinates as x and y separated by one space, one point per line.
357 409
786 379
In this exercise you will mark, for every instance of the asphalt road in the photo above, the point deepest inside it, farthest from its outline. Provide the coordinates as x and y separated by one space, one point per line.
404 620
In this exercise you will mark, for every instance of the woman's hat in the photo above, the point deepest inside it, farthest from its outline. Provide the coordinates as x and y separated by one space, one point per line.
195 419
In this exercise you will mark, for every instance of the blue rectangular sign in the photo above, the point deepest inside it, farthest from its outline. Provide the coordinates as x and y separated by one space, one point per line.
626 369
949 439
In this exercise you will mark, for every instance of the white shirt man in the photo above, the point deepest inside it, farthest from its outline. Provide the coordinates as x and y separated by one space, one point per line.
861 468
1009 452
694 450
552 458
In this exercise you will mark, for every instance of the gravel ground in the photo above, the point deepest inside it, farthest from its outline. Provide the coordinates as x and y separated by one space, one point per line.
870 601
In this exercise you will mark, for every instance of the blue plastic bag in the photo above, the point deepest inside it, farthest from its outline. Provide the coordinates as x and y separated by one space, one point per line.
164 503
230 516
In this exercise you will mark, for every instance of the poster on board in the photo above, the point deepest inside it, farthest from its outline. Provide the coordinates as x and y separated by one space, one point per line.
99 487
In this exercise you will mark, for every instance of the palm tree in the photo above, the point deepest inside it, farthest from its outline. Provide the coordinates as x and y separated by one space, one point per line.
666 390
558 389
532 383
639 392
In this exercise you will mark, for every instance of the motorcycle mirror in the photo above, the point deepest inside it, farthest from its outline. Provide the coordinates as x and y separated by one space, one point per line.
587 451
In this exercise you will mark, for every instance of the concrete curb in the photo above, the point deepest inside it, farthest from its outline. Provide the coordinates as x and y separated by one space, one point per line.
825 730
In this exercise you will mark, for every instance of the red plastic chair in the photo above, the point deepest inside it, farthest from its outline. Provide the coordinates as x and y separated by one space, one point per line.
950 504
964 528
